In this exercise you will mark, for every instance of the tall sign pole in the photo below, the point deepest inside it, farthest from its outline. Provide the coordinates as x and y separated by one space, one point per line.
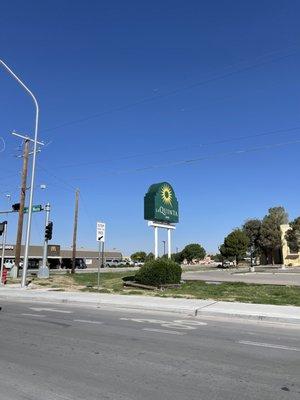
3 250
169 243
100 237
155 242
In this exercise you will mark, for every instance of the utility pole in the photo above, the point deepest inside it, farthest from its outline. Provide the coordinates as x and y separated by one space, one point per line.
22 203
75 232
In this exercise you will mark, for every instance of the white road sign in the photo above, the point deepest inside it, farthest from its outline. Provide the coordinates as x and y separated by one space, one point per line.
100 232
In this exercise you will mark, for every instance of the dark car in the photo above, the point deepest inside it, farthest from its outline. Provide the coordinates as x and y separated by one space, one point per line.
67 263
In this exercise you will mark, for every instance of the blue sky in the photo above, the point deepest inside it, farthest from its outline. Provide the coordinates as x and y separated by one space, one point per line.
125 85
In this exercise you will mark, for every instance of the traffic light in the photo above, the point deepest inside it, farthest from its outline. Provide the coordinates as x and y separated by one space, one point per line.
16 207
2 227
48 231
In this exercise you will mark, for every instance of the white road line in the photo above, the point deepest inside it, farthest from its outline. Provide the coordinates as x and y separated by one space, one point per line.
177 324
87 321
51 310
33 315
164 331
190 322
269 345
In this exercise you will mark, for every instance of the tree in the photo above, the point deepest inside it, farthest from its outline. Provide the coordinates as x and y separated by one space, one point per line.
292 236
235 245
270 239
149 257
217 257
252 229
193 251
139 256
177 257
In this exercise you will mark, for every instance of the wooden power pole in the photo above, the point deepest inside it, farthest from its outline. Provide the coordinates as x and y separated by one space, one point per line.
22 204
75 232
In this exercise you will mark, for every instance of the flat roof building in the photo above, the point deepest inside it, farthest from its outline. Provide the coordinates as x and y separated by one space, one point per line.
57 255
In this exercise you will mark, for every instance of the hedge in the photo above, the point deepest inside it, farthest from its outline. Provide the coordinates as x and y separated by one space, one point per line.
159 272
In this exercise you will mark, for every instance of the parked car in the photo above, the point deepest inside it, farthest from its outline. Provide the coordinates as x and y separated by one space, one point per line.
112 263
127 261
138 263
226 264
67 263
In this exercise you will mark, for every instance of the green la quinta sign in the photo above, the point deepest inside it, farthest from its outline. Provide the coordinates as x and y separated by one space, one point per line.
160 203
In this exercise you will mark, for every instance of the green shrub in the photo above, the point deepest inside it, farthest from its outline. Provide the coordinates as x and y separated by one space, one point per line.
159 272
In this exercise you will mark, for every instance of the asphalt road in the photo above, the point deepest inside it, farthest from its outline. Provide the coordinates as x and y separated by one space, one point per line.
50 351
274 278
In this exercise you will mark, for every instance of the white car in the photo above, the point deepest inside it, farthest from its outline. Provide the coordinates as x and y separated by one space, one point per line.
112 262
138 263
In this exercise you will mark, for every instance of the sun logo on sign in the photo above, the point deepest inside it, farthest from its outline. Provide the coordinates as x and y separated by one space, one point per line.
166 195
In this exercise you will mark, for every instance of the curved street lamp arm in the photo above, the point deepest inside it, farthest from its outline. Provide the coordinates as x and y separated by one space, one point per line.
28 230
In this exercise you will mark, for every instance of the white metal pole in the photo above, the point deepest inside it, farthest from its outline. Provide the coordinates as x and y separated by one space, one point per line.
28 230
43 271
155 242
169 243
3 250
102 255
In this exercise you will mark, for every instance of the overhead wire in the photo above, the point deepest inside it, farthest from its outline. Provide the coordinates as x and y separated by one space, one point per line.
4 145
85 208
171 92
65 183
179 148
69 187
180 89
195 160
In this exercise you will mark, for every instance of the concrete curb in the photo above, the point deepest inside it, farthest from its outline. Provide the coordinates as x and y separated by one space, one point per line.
253 312
189 307
250 317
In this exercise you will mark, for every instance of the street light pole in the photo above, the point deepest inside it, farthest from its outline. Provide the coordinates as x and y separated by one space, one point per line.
3 251
28 230
164 242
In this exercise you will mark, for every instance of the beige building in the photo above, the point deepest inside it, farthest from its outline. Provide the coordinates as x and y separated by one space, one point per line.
290 257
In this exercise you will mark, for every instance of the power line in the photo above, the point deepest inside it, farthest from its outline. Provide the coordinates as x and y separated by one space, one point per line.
85 208
69 187
179 148
3 143
198 159
178 90
65 183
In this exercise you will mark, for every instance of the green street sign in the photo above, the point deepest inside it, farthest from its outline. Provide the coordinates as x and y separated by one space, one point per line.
160 203
35 208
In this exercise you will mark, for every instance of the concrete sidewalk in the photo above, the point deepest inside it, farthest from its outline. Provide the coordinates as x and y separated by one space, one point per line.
283 314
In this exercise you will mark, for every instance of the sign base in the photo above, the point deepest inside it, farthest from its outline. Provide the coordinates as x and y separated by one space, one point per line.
43 272
163 225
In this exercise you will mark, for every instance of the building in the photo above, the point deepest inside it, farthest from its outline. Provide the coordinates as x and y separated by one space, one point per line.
59 257
291 258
